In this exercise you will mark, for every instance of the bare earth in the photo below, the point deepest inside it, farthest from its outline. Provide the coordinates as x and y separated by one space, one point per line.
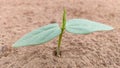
96 50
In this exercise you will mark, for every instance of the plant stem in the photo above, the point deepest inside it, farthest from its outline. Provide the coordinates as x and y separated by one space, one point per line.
62 31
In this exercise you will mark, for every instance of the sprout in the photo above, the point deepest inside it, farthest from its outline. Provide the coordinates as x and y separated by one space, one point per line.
48 32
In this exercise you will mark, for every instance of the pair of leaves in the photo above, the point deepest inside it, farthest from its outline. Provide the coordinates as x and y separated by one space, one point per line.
46 33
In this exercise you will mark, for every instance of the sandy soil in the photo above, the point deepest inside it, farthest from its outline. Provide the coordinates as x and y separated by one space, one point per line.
96 50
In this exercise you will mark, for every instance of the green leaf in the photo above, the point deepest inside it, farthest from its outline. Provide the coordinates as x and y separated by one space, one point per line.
39 36
83 26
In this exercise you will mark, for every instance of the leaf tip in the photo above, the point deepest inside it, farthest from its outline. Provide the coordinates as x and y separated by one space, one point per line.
15 45
110 28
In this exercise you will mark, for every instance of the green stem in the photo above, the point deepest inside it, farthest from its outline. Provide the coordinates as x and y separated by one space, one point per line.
62 31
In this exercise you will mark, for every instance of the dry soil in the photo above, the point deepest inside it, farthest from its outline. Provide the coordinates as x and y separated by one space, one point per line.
96 50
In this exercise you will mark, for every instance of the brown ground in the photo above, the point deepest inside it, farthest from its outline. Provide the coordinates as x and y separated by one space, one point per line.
96 50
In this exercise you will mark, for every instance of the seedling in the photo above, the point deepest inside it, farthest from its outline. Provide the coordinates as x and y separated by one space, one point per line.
47 33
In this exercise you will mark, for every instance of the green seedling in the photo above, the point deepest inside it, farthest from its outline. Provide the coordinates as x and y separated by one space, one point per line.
48 32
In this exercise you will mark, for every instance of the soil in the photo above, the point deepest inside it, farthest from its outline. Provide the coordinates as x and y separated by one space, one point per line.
96 50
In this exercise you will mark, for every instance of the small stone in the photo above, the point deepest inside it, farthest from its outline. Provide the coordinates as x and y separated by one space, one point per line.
2 48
